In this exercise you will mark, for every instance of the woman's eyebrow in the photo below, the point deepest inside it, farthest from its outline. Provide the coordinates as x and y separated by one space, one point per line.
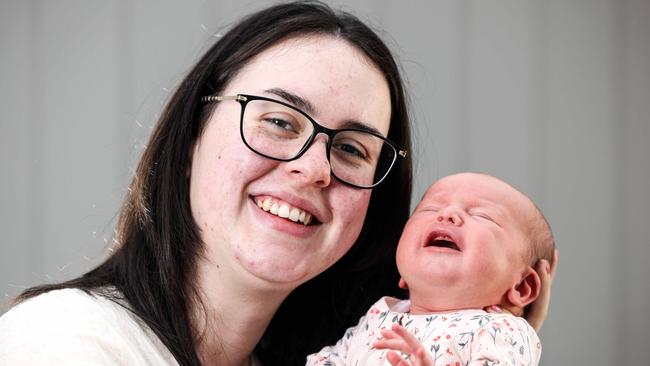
361 126
307 107
297 101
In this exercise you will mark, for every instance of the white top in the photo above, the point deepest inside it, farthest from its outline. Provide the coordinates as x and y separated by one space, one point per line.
70 327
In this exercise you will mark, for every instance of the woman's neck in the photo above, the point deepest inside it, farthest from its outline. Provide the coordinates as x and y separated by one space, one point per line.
234 315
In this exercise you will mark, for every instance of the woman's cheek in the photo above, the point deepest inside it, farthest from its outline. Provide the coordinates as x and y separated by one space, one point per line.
354 206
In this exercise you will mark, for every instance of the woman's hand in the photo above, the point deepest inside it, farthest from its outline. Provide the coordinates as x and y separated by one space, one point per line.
399 339
536 312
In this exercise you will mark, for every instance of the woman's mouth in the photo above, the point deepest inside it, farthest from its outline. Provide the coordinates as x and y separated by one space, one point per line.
282 209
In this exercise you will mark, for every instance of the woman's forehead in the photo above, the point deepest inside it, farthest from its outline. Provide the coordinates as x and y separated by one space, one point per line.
332 75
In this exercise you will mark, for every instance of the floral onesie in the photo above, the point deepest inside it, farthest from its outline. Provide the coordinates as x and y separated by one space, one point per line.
458 338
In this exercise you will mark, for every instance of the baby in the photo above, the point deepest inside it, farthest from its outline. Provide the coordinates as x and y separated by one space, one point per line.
471 243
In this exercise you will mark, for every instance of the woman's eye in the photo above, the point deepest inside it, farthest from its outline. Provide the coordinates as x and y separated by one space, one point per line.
350 150
280 123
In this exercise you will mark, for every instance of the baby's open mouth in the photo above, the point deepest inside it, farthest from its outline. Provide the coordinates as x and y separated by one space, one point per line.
285 210
442 241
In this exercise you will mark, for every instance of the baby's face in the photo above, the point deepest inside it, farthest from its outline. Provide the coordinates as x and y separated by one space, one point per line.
464 245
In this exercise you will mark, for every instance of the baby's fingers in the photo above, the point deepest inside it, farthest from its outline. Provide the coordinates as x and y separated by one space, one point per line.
409 338
419 358
395 360
399 339
556 255
392 344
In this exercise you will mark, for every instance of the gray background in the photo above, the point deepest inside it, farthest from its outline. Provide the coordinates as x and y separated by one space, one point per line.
553 96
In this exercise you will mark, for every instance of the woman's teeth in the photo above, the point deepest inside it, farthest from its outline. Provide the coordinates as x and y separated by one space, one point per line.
284 210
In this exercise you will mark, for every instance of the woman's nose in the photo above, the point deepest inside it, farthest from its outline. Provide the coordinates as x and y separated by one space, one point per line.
312 167
450 215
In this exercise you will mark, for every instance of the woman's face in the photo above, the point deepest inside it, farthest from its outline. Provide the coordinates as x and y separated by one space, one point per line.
228 180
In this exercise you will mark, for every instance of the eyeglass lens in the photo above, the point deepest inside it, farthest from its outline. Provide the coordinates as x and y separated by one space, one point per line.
281 132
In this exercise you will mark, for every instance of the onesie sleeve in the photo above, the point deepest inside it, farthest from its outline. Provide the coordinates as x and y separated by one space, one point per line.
505 341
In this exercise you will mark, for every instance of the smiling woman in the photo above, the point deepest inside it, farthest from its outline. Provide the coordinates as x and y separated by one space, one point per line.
228 179
238 227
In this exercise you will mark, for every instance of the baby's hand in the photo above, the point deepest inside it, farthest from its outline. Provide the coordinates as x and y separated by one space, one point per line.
399 339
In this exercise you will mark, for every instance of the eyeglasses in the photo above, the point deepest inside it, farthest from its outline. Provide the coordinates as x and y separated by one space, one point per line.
280 131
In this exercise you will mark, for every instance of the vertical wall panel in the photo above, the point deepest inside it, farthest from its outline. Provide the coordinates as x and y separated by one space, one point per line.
124 94
635 218
165 44
500 99
422 39
539 109
79 120
18 256
580 147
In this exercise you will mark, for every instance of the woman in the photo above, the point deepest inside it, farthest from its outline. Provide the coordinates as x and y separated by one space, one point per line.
250 227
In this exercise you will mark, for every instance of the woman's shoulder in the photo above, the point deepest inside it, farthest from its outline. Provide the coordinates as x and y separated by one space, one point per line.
73 309
73 326
66 300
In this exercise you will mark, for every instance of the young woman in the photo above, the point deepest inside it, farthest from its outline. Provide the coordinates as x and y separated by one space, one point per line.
263 216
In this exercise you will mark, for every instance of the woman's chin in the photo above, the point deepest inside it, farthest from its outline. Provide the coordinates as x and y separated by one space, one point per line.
278 270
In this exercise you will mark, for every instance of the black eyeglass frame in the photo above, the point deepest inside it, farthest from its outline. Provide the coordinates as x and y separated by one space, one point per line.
243 100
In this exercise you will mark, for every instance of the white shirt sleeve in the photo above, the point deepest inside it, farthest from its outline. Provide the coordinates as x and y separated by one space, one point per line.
70 327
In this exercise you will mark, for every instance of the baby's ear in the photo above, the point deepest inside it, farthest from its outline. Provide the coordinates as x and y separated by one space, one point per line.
526 290
402 284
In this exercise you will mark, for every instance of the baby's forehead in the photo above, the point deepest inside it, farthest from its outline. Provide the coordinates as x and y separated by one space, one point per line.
474 189
479 185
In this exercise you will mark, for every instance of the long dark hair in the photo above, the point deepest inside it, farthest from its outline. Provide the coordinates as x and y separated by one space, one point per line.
154 263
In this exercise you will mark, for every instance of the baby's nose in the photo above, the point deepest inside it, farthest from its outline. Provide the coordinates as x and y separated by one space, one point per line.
449 215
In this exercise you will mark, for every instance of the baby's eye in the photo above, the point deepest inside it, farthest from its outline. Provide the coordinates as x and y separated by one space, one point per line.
425 211
482 215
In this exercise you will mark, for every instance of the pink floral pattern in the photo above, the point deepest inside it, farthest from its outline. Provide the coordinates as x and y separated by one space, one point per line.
459 338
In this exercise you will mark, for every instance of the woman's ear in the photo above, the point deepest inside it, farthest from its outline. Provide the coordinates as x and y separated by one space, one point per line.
402 284
526 290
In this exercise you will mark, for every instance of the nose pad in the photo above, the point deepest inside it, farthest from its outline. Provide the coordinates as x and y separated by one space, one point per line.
313 166
449 215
